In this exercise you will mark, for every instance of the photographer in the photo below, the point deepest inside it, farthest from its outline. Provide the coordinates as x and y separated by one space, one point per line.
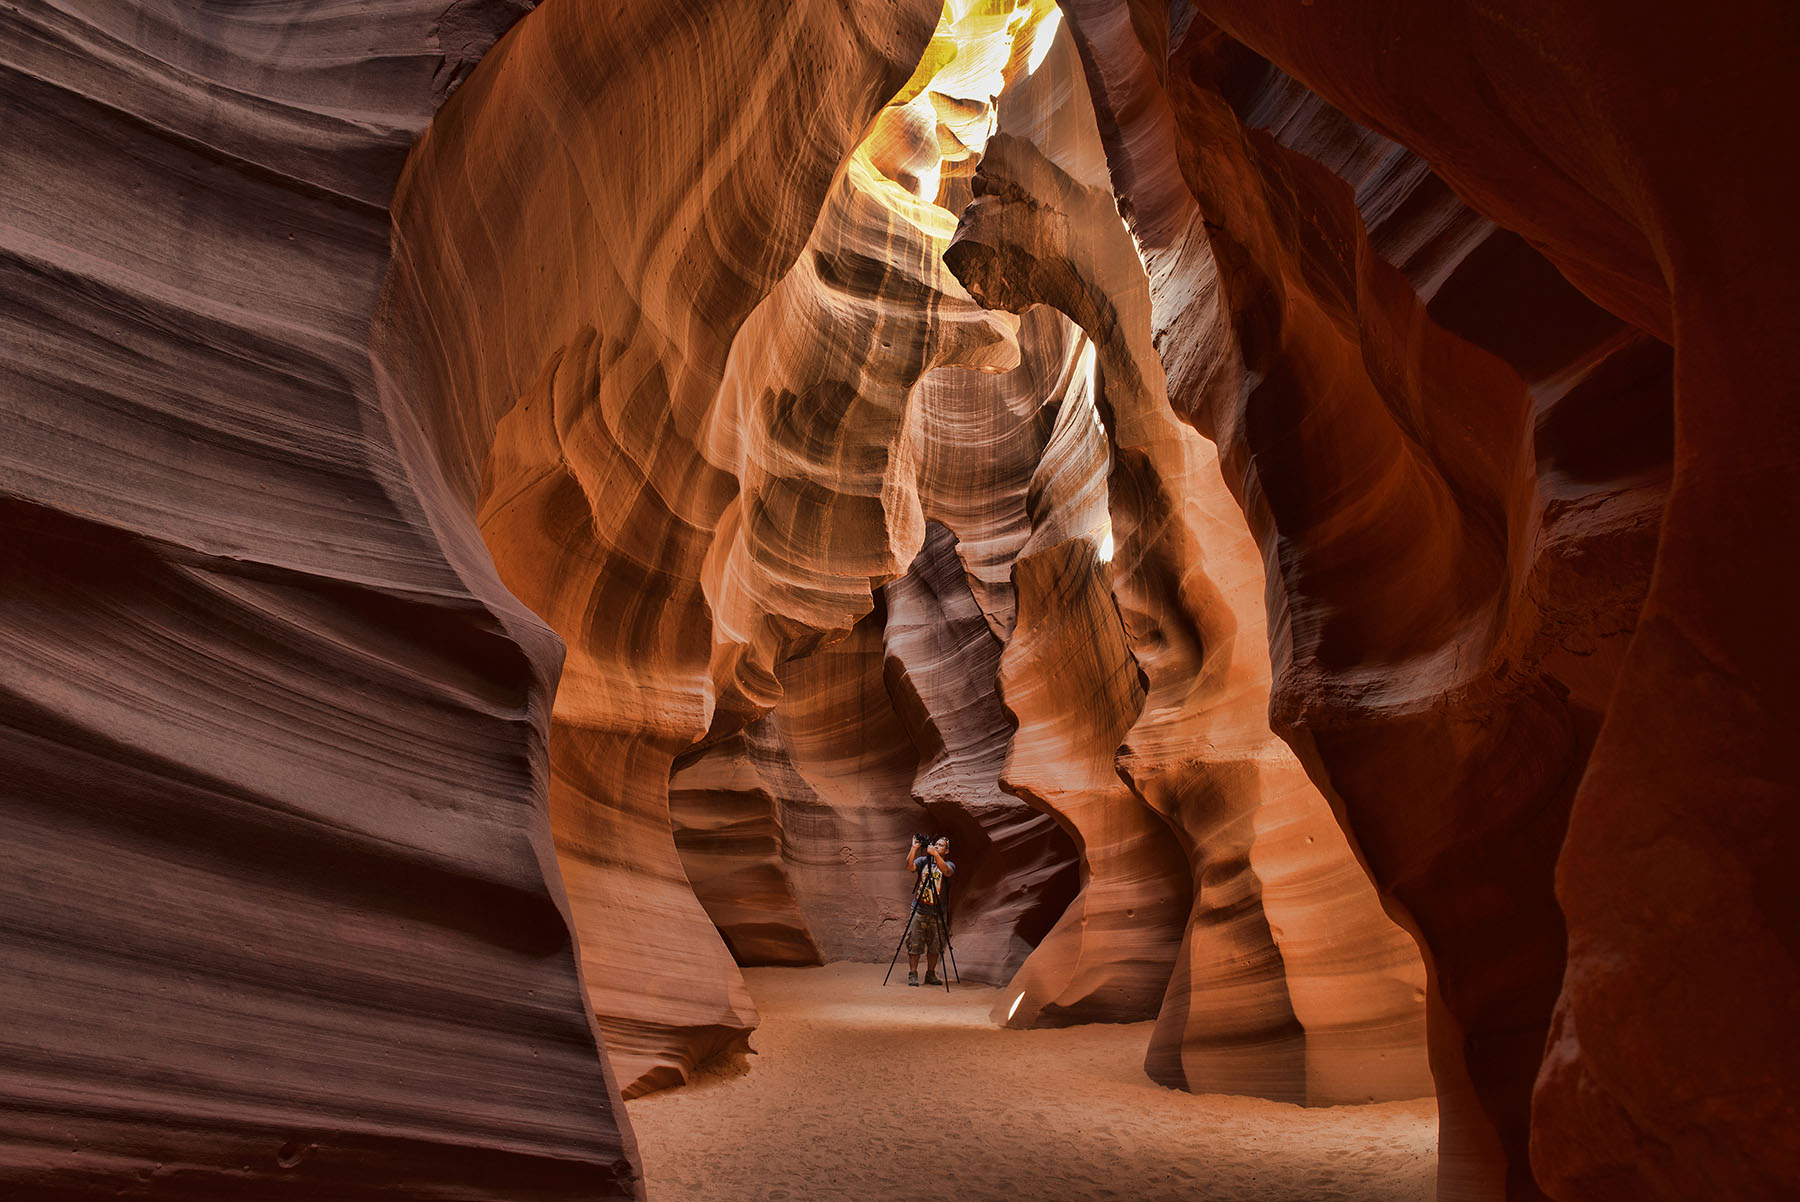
926 935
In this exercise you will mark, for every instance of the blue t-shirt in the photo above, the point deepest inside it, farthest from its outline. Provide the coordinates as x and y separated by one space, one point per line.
933 888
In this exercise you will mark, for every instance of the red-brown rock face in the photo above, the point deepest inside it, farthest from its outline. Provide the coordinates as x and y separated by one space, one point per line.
281 900
694 445
421 696
1455 450
658 473
733 692
1289 981
278 905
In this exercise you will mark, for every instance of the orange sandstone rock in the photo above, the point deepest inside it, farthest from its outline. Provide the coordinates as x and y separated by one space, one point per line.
533 298
1465 395
671 391
1304 993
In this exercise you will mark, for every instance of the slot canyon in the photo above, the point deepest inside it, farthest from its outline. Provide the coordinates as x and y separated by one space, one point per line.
515 514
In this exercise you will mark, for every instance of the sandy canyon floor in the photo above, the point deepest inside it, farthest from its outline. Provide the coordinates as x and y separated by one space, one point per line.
893 1095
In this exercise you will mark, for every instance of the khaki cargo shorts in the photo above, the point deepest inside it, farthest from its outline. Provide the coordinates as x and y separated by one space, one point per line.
925 934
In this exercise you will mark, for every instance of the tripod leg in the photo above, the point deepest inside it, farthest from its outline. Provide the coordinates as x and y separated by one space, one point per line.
910 914
950 959
949 952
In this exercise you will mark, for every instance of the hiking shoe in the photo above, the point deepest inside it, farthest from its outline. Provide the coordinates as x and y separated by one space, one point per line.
931 978
912 978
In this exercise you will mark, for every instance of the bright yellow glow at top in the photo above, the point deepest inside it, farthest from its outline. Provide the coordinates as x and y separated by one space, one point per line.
978 48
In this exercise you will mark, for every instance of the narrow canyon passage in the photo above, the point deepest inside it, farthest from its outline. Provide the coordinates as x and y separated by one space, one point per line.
512 514
860 1093
917 544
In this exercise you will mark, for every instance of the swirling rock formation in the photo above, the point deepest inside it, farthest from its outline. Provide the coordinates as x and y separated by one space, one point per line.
871 740
691 466
278 906
701 518
673 414
1368 681
1404 392
650 478
1290 983
1017 870
281 906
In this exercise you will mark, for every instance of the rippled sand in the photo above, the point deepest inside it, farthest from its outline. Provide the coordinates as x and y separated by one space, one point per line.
871 1094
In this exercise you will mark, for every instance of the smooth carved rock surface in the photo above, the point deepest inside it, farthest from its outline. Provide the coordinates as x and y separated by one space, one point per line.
1363 461
644 491
1017 869
326 666
1458 454
691 465
702 520
881 747
839 369
1290 982
278 905
732 804
1487 320
726 593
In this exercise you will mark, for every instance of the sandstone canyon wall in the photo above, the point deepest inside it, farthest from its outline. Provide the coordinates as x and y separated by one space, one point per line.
650 388
404 748
283 913
1288 982
721 610
864 393
692 444
280 907
1474 405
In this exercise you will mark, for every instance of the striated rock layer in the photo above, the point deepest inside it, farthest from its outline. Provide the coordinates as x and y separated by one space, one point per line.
1017 870
310 885
278 904
1430 706
675 374
1517 629
644 487
702 508
1012 615
1289 982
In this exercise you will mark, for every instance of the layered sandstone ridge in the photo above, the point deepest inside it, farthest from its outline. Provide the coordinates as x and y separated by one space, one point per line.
631 406
748 729
1480 409
695 468
278 904
1289 981
405 748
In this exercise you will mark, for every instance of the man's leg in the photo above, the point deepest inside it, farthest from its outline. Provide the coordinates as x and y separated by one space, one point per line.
934 947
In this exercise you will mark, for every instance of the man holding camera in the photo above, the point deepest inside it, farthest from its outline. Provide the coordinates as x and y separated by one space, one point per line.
931 861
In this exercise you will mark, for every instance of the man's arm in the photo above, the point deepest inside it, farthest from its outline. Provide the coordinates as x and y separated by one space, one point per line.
948 868
913 855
